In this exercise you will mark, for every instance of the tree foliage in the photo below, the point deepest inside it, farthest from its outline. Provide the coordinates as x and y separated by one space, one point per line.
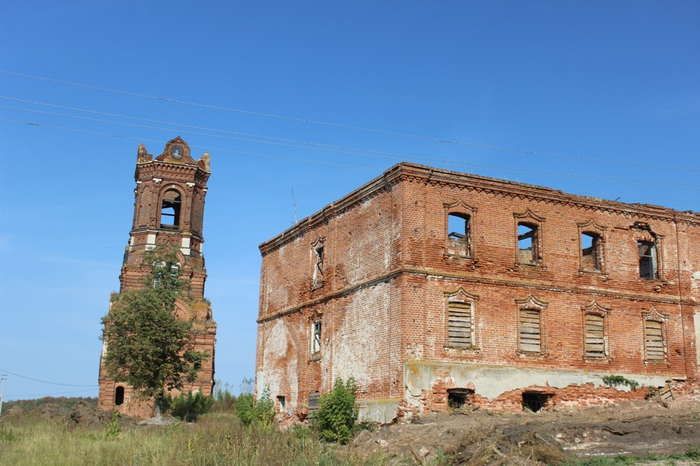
189 407
337 412
148 346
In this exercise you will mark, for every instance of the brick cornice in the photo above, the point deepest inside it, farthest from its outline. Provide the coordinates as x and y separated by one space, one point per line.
414 173
482 280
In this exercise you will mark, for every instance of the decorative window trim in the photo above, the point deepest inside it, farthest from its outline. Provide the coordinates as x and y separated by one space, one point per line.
592 229
462 297
467 251
655 316
597 310
642 232
534 304
318 260
530 219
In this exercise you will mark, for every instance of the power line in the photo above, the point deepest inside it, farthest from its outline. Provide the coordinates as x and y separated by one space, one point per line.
330 124
601 179
283 141
51 394
45 381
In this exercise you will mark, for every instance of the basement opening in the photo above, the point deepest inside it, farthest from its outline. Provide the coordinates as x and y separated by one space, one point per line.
119 396
457 398
535 401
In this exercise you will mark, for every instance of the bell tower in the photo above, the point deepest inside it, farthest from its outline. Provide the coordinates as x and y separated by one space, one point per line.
168 211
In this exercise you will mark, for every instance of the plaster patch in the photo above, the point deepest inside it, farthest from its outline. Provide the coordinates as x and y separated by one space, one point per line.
492 381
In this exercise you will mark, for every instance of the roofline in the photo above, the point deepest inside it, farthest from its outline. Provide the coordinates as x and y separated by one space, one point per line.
406 170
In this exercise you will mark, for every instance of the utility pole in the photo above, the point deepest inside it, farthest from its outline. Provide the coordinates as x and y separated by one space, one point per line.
2 392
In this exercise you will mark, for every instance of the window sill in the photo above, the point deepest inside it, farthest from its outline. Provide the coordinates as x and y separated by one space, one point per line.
597 360
315 357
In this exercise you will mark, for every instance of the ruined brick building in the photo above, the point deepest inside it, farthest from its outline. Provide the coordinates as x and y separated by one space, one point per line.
429 287
168 210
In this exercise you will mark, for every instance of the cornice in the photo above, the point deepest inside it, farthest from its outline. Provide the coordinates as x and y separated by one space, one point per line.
414 173
594 293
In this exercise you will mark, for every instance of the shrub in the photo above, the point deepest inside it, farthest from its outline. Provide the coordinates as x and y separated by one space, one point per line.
337 412
616 380
189 407
250 411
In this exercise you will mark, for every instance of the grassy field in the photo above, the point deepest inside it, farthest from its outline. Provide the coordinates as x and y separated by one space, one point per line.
216 439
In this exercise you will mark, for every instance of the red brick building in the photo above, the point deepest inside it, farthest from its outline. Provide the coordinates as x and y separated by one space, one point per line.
429 286
168 210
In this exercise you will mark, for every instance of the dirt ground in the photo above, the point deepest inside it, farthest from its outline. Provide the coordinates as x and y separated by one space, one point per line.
480 437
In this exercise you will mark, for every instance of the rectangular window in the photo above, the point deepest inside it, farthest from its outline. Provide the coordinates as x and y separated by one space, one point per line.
595 336
281 401
459 326
316 338
458 234
318 265
590 251
313 401
527 243
530 331
654 340
648 267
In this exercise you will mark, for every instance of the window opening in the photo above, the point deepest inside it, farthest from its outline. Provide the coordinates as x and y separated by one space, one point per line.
457 398
316 337
654 340
535 401
530 331
170 210
458 232
595 336
590 251
318 266
459 326
281 401
527 243
119 396
313 401
648 267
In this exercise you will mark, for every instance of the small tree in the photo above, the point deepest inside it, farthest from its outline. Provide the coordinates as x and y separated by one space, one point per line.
337 412
249 410
148 346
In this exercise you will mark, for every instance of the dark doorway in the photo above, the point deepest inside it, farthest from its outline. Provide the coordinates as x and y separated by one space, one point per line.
535 401
119 396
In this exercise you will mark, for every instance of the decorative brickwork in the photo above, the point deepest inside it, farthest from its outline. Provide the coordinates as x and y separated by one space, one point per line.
168 210
545 324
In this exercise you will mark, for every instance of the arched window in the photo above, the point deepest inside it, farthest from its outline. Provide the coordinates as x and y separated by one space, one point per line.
648 264
119 396
590 251
170 210
527 243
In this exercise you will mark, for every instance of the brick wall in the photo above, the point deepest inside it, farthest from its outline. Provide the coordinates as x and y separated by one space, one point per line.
390 271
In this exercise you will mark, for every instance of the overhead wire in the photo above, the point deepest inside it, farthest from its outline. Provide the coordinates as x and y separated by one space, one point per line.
45 381
286 140
596 178
330 124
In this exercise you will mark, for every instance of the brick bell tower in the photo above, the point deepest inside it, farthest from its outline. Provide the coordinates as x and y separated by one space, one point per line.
168 210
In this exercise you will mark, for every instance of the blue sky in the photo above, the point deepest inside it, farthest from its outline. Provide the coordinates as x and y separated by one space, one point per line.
594 98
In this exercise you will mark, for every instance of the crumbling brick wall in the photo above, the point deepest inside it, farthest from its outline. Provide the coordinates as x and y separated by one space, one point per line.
393 272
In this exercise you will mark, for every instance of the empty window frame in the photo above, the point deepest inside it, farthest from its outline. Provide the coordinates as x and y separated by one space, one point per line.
459 233
530 331
654 340
316 338
281 401
648 260
170 209
119 396
459 324
594 334
527 243
319 256
591 251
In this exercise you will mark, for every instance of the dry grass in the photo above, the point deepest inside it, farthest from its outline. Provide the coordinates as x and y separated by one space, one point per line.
217 439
